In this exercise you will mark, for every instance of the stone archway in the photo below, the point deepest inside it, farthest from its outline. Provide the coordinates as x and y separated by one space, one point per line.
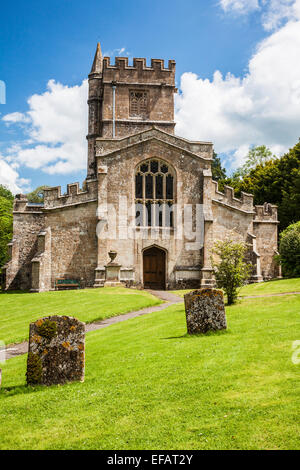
154 268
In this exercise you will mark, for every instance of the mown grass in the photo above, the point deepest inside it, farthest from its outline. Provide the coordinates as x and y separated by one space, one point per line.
18 309
280 286
151 386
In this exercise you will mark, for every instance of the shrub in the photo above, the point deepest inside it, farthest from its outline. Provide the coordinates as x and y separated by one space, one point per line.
231 271
289 250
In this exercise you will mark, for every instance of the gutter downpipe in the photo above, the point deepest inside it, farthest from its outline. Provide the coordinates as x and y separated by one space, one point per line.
114 109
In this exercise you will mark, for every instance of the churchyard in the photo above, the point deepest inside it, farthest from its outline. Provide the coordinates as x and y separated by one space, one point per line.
150 385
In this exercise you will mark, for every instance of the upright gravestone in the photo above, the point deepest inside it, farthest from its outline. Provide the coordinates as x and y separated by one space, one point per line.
56 351
205 310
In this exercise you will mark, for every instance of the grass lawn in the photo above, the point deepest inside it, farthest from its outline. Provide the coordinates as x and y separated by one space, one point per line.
150 386
279 286
18 309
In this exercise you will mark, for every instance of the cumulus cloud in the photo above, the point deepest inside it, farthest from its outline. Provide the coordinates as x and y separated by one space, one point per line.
263 107
55 128
10 178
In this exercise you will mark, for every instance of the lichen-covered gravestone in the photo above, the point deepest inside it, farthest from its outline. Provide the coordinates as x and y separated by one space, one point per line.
56 351
205 310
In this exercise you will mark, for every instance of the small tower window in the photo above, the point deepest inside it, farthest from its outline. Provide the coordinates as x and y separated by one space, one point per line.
138 103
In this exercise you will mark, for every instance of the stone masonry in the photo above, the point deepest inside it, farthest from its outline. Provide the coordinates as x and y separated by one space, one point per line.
56 351
136 161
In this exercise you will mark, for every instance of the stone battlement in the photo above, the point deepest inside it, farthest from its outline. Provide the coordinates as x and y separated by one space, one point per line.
74 195
54 199
266 213
139 72
245 203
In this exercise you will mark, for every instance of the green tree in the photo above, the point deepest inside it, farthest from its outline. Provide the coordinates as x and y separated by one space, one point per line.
6 193
218 172
37 195
256 156
6 225
289 250
278 182
231 271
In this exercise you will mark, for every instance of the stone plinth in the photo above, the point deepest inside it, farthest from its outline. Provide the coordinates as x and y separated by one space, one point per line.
112 275
56 351
112 271
205 310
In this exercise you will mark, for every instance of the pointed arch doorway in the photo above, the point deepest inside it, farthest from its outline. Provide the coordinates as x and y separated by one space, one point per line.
154 268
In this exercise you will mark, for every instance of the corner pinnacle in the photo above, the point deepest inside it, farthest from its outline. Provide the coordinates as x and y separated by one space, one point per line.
98 61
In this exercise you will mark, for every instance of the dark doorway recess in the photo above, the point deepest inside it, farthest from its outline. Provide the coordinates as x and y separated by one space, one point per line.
154 266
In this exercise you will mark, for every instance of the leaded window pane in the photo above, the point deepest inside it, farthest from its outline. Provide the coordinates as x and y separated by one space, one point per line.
149 186
148 214
139 210
144 168
169 215
169 187
159 187
154 166
138 186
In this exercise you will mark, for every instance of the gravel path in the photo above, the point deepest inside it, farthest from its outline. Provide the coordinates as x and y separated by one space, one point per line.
168 298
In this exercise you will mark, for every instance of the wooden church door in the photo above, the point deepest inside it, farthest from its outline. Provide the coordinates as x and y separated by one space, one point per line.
154 266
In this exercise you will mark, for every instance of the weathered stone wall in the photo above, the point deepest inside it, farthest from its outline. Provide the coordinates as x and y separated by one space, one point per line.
265 228
28 221
73 242
56 351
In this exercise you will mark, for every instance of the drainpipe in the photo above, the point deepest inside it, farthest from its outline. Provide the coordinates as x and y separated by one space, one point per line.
114 109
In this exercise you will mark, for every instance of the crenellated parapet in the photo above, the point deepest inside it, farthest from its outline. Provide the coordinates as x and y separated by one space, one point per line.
139 72
227 198
74 195
265 213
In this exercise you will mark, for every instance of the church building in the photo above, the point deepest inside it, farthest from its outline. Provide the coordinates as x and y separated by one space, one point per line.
148 213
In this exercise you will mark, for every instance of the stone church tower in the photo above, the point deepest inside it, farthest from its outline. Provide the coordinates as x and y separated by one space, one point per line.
148 195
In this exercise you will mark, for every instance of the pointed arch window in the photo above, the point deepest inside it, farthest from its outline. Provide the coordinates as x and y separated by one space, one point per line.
154 194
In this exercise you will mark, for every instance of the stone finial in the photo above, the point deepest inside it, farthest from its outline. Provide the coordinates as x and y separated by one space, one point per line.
205 310
98 61
56 351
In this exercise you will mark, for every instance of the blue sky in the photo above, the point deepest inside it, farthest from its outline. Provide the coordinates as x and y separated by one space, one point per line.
251 40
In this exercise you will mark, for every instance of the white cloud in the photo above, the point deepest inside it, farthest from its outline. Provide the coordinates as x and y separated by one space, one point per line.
274 13
10 178
239 6
263 107
12 118
278 12
56 126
